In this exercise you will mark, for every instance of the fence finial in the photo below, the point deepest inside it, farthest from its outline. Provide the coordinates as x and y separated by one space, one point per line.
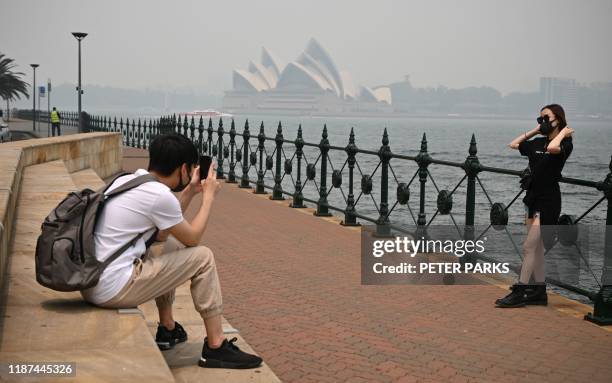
424 143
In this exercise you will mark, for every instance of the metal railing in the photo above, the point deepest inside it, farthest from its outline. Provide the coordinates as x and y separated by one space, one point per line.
248 153
66 118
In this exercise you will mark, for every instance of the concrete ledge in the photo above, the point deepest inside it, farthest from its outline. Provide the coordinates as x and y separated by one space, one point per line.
99 151
102 152
39 324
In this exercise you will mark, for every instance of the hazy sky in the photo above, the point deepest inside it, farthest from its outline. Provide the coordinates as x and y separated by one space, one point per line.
153 43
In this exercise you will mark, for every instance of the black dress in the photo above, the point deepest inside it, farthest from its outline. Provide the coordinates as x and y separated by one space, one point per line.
544 194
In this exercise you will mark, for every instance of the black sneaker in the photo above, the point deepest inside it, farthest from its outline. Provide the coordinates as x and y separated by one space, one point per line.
516 298
167 339
536 295
228 355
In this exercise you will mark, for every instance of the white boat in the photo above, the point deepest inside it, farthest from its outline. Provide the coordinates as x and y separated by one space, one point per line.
211 113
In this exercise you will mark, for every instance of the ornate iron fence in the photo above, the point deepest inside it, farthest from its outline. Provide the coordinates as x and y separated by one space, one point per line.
248 153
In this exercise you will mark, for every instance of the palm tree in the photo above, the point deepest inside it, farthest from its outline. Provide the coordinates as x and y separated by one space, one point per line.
11 84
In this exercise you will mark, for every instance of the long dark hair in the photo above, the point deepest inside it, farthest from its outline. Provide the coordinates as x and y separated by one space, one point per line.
559 114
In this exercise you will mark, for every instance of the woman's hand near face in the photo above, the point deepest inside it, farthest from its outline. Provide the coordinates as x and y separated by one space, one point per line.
524 137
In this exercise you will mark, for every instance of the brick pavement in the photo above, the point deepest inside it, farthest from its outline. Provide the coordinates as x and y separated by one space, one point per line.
291 285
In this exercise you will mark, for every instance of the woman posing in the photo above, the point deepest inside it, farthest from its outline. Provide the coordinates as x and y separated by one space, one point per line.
547 155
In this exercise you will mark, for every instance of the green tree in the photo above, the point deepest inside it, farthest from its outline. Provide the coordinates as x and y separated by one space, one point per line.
12 86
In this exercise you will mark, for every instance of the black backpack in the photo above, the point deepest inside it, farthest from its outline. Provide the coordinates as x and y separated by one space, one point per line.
65 250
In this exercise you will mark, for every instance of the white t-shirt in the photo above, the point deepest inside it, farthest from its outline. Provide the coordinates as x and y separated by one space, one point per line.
142 209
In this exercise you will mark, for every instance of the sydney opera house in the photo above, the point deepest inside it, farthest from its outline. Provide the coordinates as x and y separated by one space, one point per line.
310 85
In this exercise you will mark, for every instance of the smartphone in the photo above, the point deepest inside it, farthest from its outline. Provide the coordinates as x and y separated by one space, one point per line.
205 162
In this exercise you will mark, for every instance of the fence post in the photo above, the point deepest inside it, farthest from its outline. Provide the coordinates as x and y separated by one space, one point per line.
472 168
602 308
192 130
349 213
200 135
85 117
128 132
146 135
261 137
246 134
384 153
139 146
423 160
220 150
231 176
133 132
185 127
322 208
123 137
298 197
209 130
277 192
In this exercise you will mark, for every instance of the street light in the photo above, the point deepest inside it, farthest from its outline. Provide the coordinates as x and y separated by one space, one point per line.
34 66
79 36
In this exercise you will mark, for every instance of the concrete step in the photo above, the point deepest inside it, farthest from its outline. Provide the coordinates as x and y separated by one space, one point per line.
183 358
41 325
87 178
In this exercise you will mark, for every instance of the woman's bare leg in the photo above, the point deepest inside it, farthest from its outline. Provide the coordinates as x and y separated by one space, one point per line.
530 247
539 271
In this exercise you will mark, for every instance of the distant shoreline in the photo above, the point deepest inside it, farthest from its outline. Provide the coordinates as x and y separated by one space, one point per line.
410 115
135 113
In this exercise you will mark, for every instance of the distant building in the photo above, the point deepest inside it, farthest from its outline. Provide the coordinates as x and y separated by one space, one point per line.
310 85
563 91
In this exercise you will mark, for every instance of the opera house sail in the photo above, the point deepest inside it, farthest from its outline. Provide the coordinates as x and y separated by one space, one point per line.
310 85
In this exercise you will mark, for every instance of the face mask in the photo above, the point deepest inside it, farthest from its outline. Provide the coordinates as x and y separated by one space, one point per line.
181 186
545 125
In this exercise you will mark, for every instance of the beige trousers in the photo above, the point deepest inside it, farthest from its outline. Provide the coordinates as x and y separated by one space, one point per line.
160 273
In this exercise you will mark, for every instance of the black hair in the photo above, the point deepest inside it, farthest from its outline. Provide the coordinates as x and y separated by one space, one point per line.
559 113
168 152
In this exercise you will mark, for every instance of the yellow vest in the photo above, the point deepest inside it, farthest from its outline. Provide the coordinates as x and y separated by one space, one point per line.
55 117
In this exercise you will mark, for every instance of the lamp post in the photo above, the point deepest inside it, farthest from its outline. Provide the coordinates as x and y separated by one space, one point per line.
49 107
34 66
79 36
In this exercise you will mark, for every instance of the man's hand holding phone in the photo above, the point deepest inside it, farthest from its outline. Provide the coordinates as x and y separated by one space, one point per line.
195 185
210 185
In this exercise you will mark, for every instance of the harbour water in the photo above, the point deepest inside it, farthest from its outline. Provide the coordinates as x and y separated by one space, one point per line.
448 139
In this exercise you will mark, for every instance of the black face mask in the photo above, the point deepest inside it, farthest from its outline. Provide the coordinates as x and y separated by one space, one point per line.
180 187
545 125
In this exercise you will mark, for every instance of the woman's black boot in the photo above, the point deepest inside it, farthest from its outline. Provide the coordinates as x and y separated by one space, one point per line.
536 295
516 298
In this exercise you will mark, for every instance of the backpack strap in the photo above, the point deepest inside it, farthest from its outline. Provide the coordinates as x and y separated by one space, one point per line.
123 248
105 188
131 184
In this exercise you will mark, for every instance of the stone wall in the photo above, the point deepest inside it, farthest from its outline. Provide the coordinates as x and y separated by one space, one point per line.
101 152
